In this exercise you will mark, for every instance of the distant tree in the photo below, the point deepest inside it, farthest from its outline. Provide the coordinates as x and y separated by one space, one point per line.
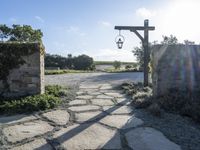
70 61
25 33
128 67
117 64
169 40
4 32
138 52
83 62
189 42
20 33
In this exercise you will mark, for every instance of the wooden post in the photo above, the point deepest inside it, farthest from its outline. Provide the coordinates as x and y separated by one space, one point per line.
146 53
145 43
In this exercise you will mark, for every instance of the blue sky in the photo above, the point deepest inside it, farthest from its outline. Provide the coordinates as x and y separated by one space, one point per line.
87 26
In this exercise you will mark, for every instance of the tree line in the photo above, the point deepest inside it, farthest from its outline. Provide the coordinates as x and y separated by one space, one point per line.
81 62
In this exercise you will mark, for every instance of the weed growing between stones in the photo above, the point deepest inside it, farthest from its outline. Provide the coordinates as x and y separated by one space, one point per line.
176 101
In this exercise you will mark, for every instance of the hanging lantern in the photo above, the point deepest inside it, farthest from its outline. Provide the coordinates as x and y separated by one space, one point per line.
119 40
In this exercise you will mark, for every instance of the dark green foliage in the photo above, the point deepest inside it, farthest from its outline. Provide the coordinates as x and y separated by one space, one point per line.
83 62
117 64
169 40
54 90
20 33
29 104
128 67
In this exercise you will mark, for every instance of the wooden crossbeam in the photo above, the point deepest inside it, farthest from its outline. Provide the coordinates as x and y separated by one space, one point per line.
134 28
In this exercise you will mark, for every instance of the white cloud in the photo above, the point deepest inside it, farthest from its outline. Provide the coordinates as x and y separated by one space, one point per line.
105 23
145 13
39 19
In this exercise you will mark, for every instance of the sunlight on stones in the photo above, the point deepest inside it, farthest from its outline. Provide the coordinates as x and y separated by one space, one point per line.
15 119
36 144
26 130
104 96
149 139
122 121
117 110
89 86
88 116
78 102
84 108
102 102
123 101
60 117
92 136
114 94
84 97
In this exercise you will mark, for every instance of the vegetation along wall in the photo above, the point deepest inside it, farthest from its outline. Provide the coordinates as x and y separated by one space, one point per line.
21 69
175 67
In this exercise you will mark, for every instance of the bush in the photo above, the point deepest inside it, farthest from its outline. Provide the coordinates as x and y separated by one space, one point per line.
117 64
128 67
29 104
83 62
54 90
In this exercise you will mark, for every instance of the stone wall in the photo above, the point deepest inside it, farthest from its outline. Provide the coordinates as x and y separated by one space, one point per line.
175 67
28 78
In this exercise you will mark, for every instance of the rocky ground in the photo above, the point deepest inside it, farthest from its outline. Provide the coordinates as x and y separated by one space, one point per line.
100 117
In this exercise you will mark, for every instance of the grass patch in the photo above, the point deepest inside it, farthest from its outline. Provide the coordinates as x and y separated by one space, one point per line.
53 72
111 70
49 100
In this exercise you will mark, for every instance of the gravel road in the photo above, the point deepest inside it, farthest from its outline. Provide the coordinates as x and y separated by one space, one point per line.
112 78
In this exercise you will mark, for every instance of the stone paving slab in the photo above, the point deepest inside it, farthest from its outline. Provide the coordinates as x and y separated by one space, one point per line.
78 102
104 97
88 136
149 139
15 119
102 102
39 144
60 117
84 97
117 110
88 116
114 94
26 130
84 108
123 101
89 86
121 121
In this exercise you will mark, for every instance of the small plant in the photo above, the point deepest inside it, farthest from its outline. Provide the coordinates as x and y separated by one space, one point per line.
29 104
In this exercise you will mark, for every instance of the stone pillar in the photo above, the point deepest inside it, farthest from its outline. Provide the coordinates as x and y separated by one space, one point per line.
175 67
28 78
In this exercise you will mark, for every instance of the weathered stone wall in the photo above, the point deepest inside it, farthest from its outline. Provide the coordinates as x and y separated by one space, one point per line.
175 67
28 79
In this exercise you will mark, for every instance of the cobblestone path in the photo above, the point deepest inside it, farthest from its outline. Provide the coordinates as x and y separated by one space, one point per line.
99 118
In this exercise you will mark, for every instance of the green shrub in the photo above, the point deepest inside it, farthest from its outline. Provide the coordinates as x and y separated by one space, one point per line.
54 90
30 104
